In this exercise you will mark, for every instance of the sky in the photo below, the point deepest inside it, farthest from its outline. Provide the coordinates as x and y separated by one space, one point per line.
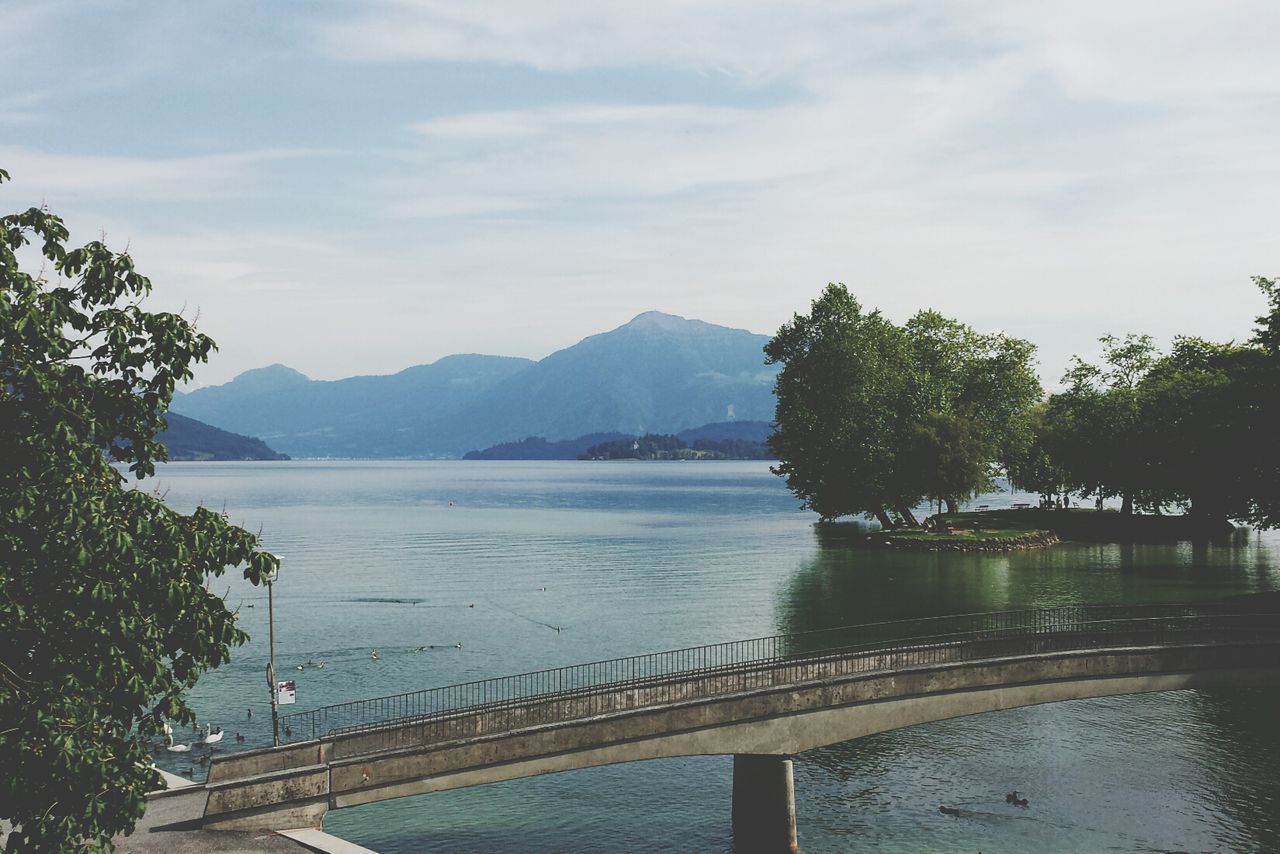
357 187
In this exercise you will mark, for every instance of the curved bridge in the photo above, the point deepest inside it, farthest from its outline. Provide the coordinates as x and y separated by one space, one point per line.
762 700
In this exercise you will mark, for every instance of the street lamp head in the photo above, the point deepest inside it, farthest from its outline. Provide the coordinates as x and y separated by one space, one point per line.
271 576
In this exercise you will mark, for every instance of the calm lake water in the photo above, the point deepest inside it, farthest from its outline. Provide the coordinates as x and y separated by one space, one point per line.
640 557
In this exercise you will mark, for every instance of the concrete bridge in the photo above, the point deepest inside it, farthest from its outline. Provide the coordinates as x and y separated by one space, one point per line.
762 700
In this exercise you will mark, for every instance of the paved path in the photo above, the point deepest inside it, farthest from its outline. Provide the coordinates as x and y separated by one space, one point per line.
172 824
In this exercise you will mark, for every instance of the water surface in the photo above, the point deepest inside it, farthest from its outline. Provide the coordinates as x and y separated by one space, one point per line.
540 564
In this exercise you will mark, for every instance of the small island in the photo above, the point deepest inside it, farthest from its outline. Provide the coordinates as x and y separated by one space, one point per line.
876 419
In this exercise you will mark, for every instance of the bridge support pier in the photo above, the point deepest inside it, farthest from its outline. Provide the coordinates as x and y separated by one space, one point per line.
764 805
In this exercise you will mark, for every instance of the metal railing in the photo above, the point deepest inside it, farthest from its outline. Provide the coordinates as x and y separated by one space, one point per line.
505 703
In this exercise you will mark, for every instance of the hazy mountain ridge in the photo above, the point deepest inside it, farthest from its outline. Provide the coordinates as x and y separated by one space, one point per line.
658 373
361 416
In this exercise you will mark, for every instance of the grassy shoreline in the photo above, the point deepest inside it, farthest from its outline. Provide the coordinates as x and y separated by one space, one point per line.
1002 530
997 539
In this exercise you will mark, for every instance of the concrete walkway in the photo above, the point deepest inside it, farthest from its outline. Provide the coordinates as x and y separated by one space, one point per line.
173 818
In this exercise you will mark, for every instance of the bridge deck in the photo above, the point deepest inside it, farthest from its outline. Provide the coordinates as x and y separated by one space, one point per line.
718 669
766 695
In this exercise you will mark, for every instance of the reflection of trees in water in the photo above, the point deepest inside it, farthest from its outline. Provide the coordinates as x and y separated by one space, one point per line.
1240 756
1085 761
847 582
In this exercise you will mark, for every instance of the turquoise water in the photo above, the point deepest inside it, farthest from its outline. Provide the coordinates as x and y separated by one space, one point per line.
626 557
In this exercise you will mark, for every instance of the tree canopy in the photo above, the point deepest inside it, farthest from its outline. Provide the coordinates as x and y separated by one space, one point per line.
1194 428
106 616
1096 429
839 406
873 417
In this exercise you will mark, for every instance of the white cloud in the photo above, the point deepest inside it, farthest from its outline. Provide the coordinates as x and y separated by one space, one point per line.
752 39
1173 50
88 176
1057 169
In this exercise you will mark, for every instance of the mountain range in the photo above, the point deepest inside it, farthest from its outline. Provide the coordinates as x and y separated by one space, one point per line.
656 374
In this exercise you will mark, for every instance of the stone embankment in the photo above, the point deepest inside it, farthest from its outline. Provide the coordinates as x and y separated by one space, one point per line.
979 543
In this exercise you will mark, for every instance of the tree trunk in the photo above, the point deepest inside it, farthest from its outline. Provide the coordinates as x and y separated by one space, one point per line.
907 516
951 505
1210 520
1126 506
883 518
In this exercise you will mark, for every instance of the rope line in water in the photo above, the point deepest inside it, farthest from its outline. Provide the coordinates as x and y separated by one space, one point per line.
523 616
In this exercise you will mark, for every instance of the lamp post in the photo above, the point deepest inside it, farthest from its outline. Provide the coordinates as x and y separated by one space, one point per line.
271 665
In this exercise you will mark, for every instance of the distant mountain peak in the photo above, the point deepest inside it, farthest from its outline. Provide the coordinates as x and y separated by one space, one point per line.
672 324
659 320
276 374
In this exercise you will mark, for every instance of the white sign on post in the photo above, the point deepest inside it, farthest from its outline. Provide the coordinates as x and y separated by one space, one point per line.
286 693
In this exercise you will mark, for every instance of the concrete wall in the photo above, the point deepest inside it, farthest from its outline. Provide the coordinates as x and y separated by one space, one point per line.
786 710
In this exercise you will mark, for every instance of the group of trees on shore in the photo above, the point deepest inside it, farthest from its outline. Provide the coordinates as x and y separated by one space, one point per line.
875 418
1196 428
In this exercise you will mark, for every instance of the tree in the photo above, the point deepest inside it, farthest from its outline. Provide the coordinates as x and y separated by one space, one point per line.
1263 388
1203 401
106 616
972 391
1034 468
873 417
1096 430
1267 334
840 408
946 457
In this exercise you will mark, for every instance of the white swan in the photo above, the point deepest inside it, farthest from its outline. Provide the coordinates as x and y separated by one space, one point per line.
212 737
177 748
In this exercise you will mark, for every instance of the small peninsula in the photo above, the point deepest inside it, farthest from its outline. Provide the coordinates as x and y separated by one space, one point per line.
189 440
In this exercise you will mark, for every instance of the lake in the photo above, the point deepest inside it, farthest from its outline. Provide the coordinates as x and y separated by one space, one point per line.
539 564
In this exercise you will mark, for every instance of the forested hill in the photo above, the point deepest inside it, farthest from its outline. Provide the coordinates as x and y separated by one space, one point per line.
739 440
189 439
537 448
660 447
